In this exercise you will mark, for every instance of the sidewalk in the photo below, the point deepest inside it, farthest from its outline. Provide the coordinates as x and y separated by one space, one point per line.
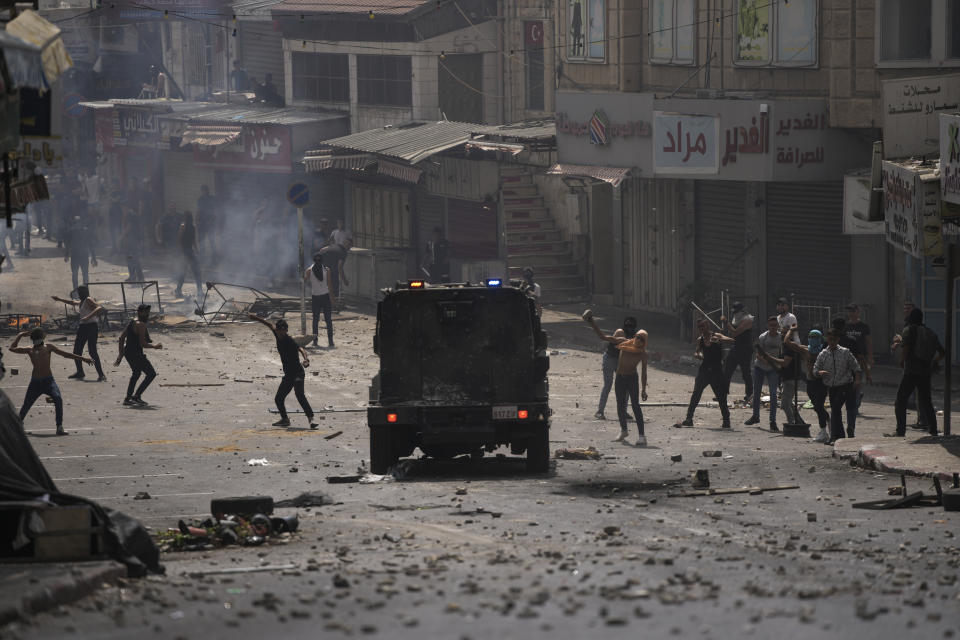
917 455
29 588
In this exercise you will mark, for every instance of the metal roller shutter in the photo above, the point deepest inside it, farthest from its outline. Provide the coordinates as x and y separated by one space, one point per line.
651 216
720 238
471 230
429 215
182 181
262 51
807 253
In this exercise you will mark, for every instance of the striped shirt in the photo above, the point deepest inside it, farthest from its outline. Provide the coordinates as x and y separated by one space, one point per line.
840 365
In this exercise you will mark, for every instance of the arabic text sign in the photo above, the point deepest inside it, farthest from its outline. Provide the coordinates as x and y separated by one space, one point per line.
685 143
901 210
263 147
950 158
911 107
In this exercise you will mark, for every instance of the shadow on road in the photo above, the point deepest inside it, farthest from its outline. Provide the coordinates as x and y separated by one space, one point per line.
493 467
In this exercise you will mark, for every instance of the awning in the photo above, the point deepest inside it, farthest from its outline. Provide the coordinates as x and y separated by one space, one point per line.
29 26
209 135
613 175
399 171
482 145
317 164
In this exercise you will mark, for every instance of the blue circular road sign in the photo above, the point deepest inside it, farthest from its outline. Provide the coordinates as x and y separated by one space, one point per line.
298 194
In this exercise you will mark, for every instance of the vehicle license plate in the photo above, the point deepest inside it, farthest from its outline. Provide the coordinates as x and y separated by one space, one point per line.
505 413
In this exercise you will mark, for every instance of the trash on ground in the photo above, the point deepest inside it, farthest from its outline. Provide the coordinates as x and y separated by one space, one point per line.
343 479
676 458
915 499
307 499
724 492
372 478
712 454
333 435
268 567
701 479
589 453
258 462
142 495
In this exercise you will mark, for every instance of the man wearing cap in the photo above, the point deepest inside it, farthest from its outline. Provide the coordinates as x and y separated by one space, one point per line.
859 331
741 330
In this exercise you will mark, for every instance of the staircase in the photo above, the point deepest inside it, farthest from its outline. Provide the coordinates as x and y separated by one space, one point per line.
533 239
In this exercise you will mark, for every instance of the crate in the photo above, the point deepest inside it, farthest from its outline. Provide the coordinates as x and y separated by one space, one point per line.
69 533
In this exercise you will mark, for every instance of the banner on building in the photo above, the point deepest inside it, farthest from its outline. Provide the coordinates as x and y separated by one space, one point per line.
685 143
950 158
911 204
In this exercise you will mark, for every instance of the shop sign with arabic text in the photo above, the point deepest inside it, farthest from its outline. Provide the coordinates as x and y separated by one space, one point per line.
259 148
685 143
911 110
950 158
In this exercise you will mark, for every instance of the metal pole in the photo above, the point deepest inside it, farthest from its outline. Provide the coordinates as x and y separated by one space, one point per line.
948 342
303 283
8 200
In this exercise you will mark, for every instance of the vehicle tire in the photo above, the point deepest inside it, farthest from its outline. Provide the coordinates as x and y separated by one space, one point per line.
244 506
538 452
382 456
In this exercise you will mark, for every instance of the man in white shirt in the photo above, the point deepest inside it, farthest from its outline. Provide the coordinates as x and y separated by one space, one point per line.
769 349
786 320
319 276
340 235
840 371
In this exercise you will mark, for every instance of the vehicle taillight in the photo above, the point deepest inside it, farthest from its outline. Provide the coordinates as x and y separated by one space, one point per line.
391 417
415 284
523 414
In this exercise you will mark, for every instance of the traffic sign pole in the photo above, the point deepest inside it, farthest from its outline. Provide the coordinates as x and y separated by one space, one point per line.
303 283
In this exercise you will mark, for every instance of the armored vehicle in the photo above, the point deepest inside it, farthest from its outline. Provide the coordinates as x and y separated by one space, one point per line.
463 369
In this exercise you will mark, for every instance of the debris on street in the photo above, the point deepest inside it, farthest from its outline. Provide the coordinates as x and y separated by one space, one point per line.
723 492
590 453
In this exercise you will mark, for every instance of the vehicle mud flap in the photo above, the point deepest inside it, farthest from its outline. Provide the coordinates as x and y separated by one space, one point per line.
538 451
382 454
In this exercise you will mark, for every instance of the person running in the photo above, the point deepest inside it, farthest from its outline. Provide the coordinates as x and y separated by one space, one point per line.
41 378
840 371
87 331
710 351
134 339
293 373
318 276
627 384
768 346
610 356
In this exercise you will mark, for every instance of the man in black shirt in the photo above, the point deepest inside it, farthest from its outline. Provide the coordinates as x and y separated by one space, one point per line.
80 252
919 357
293 373
741 330
187 238
710 373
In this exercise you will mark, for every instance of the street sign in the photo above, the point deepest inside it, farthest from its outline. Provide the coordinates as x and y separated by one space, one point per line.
298 194
72 106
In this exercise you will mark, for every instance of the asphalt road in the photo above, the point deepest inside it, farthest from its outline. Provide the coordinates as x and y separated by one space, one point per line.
481 549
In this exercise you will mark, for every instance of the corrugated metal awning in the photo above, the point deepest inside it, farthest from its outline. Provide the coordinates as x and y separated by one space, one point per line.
210 136
317 164
399 171
613 175
482 145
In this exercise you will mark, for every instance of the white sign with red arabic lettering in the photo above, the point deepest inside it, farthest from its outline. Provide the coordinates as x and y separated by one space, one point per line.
685 144
950 158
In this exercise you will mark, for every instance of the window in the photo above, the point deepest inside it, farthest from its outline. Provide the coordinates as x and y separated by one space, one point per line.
322 77
918 32
385 80
533 45
672 31
776 34
586 29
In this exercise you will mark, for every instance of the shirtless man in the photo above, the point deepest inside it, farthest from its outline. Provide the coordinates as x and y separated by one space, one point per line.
133 341
633 354
41 379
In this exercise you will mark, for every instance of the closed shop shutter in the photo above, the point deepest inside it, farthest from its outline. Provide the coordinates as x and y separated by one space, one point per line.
262 51
429 215
651 218
807 253
471 230
381 217
182 181
720 237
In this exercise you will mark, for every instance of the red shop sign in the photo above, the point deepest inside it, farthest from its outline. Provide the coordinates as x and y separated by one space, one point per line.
261 147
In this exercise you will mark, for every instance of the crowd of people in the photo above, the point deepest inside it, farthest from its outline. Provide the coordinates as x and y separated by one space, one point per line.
832 362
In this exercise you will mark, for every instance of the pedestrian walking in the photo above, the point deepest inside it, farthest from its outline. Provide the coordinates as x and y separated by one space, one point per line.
859 331
318 276
187 240
133 340
769 345
609 362
710 352
919 357
816 389
293 371
88 330
627 384
41 378
80 250
840 371
908 306
740 328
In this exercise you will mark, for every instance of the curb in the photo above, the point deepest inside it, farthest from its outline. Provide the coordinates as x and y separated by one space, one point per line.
76 581
872 456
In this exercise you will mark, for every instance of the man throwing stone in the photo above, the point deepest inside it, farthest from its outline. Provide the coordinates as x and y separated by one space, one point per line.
132 343
293 373
710 351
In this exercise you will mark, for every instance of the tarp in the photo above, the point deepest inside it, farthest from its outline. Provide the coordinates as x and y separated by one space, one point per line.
24 478
31 27
24 62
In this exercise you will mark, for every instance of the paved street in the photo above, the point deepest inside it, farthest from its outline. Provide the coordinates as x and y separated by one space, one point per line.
481 549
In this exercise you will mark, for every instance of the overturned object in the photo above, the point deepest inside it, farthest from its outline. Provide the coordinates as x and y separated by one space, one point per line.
246 506
577 454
